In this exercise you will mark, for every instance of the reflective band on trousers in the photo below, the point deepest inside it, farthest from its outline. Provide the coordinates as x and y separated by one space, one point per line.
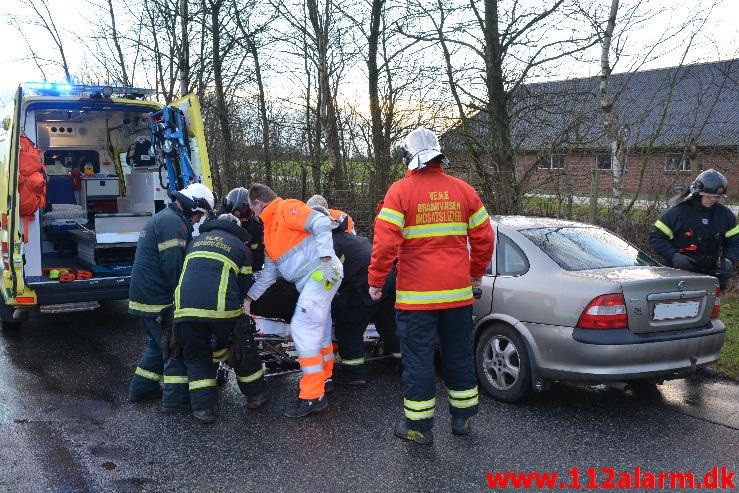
392 216
426 297
352 362
397 355
220 355
463 398
312 369
175 379
478 218
201 384
147 374
415 410
251 378
143 307
732 231
430 230
664 228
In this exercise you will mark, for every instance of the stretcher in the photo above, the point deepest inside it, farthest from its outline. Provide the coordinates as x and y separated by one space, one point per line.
279 356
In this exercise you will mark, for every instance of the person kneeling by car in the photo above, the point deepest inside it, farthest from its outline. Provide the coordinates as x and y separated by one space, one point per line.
694 234
208 302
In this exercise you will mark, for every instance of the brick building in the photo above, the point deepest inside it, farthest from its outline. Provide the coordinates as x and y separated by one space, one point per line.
557 130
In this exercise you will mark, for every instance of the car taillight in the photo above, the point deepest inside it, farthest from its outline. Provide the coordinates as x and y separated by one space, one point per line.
716 311
605 312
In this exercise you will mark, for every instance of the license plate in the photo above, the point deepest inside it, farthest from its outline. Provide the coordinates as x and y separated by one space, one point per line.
676 310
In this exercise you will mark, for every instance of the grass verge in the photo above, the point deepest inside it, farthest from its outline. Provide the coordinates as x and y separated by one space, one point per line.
728 363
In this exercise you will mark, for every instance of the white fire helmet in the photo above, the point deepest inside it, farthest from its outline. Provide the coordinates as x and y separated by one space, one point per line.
420 147
195 191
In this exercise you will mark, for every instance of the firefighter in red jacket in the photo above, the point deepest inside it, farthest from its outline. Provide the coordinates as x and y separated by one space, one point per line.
440 231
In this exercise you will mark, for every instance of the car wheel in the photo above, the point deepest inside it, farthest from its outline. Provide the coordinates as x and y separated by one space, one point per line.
502 363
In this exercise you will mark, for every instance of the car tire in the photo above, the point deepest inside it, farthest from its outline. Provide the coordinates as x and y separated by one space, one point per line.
502 363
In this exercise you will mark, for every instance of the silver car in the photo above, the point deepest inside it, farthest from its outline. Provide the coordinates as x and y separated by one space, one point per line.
569 301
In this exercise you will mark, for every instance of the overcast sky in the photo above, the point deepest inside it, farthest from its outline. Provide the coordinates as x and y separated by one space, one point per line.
721 41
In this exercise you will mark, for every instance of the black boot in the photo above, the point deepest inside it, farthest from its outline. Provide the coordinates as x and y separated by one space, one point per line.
205 416
255 401
303 407
461 426
151 395
423 437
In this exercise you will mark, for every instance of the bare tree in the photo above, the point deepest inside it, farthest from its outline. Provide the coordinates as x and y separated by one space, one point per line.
522 42
250 38
44 19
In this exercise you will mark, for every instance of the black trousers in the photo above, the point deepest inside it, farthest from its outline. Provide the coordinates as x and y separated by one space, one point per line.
205 344
417 331
351 314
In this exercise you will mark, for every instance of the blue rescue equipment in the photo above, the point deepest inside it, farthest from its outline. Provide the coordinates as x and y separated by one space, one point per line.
171 148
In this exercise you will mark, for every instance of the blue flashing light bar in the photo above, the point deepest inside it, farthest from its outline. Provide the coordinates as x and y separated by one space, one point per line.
46 88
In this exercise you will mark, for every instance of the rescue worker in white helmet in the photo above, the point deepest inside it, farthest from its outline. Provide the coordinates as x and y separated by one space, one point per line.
160 252
298 247
439 231
215 278
699 234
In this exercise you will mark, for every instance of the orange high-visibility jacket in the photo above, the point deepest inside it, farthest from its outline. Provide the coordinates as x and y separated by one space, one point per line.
295 238
427 219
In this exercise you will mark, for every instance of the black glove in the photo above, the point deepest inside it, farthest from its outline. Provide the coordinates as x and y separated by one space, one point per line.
234 353
726 270
680 261
171 334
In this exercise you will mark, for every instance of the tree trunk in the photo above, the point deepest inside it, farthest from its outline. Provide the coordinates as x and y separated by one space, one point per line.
184 51
499 148
336 177
116 42
606 108
380 146
228 158
262 112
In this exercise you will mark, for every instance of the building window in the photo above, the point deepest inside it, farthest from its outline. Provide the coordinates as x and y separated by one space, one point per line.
603 161
552 161
676 162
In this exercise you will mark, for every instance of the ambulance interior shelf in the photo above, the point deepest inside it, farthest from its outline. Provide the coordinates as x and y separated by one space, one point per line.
112 243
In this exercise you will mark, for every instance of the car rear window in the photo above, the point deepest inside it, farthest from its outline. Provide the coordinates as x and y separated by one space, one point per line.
581 248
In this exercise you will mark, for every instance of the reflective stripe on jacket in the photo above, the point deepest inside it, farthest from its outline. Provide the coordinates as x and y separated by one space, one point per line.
160 252
698 232
428 219
216 274
295 238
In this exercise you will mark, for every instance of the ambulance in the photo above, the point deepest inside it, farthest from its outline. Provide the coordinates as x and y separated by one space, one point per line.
82 169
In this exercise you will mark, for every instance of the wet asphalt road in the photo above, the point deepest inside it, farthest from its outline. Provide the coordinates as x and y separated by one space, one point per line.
65 425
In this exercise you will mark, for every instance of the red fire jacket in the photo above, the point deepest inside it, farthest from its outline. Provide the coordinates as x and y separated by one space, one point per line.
441 233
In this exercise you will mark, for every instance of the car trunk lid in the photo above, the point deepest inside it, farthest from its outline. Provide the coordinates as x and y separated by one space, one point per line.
660 299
